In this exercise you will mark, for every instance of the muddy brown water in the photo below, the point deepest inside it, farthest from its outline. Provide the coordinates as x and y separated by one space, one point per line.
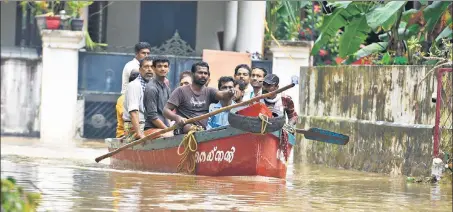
70 180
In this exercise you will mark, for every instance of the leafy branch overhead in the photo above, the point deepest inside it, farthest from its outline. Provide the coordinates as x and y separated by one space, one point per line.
430 23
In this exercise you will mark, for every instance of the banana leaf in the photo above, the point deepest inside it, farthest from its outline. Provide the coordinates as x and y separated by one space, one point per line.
409 14
355 34
368 50
433 12
332 22
384 16
446 33
404 34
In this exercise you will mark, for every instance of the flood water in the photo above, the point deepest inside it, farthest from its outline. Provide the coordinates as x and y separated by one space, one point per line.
70 180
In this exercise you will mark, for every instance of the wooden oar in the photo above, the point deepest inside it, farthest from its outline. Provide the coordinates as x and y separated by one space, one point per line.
324 136
191 120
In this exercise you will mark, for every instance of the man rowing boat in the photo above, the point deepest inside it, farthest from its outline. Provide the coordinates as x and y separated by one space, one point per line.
194 100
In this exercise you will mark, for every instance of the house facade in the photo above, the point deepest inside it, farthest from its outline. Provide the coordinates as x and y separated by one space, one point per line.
180 30
217 25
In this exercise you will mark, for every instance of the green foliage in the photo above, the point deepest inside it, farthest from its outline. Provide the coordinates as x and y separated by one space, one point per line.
389 18
49 8
75 7
433 12
355 34
384 16
283 19
14 198
311 25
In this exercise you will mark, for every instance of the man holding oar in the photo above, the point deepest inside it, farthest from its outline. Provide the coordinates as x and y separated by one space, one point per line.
194 100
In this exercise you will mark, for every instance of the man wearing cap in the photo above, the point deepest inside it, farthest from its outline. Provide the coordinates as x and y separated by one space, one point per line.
278 102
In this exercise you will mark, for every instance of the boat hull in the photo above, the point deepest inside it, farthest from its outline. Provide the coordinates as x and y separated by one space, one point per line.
222 152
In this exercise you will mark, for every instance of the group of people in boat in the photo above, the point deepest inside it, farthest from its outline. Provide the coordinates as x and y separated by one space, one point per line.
147 103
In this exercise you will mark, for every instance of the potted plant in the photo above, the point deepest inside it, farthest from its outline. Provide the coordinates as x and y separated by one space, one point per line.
39 9
53 21
75 7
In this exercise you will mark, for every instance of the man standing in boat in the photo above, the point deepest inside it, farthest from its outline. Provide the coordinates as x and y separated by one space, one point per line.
258 75
120 109
278 102
221 119
243 72
134 115
156 95
142 49
240 87
194 100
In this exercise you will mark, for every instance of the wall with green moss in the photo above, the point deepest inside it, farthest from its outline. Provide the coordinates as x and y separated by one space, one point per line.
388 117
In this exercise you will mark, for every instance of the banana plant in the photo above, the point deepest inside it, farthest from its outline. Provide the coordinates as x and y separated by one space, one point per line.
283 19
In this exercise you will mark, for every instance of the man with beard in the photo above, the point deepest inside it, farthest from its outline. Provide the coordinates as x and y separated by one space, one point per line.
277 102
134 116
243 72
257 78
194 100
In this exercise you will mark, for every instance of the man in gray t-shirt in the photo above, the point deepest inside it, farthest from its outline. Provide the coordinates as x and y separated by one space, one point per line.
194 100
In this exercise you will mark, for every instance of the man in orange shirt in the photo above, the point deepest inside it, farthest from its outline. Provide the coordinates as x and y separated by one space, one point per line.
120 108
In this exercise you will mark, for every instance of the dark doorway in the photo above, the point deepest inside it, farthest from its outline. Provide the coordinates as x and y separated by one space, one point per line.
159 21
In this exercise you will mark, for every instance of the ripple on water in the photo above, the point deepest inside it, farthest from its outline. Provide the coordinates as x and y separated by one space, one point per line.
70 180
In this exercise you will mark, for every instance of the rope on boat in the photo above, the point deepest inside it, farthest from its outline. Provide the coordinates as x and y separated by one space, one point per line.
264 122
187 162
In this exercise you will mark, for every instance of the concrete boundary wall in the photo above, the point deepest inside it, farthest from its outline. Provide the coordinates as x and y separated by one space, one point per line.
388 117
20 93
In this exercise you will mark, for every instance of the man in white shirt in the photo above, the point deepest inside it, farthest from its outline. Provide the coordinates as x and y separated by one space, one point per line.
142 49
134 108
256 81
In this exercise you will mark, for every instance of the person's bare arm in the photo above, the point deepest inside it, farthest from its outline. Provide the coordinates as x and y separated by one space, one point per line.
168 112
158 123
225 95
136 123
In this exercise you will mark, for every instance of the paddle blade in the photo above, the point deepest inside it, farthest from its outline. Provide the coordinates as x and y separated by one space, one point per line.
322 135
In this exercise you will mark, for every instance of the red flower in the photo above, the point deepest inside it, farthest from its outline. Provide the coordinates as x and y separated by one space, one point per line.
328 62
323 53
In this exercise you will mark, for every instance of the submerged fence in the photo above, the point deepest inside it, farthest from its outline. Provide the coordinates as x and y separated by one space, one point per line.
443 128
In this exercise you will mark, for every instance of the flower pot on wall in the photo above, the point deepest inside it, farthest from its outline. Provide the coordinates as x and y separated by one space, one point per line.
77 24
41 21
53 22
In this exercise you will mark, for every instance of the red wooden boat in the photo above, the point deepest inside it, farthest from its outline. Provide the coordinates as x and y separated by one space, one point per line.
224 151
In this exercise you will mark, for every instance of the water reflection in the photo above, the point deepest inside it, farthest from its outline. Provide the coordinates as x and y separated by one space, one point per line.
71 181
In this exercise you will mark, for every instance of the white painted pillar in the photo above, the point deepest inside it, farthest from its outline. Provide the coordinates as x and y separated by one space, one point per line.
84 15
286 62
231 24
60 63
250 35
